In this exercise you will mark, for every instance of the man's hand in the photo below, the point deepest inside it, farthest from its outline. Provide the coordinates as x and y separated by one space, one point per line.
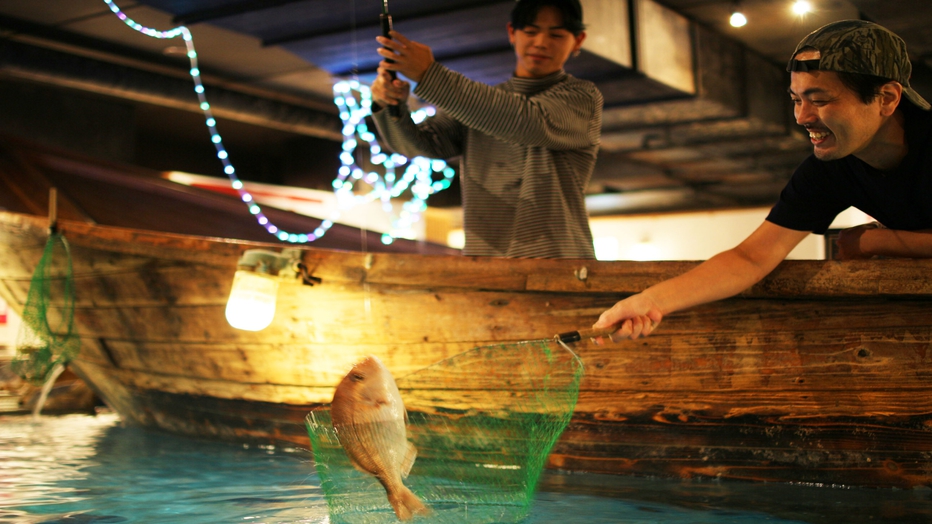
635 316
870 240
410 58
849 242
388 92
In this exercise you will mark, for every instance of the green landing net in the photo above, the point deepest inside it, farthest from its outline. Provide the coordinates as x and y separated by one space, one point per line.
483 423
46 337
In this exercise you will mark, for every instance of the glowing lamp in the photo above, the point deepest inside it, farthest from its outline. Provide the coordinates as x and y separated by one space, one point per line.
738 19
251 306
802 7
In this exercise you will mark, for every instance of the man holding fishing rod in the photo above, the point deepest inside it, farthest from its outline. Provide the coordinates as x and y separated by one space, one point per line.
528 145
872 149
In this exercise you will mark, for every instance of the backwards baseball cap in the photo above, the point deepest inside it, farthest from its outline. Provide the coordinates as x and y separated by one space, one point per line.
860 47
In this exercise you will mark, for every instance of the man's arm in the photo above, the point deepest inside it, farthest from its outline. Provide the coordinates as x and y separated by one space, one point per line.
726 274
868 240
567 119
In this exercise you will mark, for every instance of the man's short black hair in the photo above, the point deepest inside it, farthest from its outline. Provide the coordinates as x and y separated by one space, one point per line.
867 87
525 12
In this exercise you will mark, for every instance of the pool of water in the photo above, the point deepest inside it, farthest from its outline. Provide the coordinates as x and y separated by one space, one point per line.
92 469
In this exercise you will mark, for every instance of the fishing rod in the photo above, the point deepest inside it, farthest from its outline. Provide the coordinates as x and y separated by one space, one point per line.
386 20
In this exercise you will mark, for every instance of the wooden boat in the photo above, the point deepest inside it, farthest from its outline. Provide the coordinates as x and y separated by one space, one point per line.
821 373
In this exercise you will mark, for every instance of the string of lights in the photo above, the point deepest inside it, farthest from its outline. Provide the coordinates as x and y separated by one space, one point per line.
354 101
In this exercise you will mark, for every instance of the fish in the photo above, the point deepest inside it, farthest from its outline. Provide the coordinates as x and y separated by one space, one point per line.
370 422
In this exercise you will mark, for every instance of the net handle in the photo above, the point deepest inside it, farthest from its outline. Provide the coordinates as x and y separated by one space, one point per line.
575 336
53 210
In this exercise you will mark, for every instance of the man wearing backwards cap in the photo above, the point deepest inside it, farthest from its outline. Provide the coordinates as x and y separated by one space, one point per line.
872 149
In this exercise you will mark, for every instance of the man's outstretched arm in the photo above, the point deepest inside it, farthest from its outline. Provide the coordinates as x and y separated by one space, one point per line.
727 273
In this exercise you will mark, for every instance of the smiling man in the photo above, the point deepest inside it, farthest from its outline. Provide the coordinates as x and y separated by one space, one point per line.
871 135
528 145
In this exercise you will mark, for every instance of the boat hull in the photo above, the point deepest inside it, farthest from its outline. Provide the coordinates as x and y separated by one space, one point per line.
821 373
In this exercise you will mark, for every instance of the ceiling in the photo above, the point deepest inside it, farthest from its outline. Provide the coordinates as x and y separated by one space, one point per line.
696 115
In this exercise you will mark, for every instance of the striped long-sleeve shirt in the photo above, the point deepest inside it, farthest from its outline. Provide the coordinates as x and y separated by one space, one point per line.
528 149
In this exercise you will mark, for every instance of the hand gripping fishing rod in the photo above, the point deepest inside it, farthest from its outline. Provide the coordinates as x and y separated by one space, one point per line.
386 20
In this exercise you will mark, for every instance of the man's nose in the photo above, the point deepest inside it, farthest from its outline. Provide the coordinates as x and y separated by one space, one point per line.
804 113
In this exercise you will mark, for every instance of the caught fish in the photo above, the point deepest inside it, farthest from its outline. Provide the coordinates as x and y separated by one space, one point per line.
370 422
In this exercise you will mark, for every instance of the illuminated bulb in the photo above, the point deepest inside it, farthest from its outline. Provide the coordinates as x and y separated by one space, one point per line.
738 19
801 7
251 306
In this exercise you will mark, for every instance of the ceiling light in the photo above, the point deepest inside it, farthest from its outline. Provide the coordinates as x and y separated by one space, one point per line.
738 19
801 7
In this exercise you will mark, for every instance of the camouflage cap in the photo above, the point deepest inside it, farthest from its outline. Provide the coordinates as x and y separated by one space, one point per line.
861 47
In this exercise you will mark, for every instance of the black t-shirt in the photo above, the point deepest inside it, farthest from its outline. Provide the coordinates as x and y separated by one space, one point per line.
898 199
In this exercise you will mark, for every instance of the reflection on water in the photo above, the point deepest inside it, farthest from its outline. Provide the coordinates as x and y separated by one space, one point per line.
643 501
84 469
93 470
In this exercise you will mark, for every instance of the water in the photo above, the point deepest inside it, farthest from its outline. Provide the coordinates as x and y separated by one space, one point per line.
93 470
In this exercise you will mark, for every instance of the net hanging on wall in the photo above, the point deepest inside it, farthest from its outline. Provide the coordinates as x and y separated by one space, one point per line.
483 423
46 336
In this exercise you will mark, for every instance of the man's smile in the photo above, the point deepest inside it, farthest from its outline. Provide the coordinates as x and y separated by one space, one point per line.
818 136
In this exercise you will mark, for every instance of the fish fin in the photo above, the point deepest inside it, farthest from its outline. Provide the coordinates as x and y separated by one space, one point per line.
406 504
408 461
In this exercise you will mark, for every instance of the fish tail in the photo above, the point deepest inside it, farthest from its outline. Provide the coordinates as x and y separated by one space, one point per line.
406 504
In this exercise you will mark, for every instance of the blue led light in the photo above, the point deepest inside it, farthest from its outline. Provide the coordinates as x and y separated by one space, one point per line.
417 177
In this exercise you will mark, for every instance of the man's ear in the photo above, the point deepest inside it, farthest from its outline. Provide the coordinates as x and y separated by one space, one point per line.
580 38
511 33
890 95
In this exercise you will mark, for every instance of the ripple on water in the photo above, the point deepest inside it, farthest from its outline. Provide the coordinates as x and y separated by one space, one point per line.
91 469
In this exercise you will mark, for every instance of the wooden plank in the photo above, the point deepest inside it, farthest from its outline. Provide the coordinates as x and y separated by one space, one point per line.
793 279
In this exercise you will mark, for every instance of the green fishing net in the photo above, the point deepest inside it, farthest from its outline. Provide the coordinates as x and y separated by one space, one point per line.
483 423
46 336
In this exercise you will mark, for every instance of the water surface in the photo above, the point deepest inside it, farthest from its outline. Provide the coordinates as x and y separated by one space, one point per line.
92 469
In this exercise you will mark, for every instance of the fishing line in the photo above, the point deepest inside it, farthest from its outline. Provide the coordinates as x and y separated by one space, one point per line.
364 230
